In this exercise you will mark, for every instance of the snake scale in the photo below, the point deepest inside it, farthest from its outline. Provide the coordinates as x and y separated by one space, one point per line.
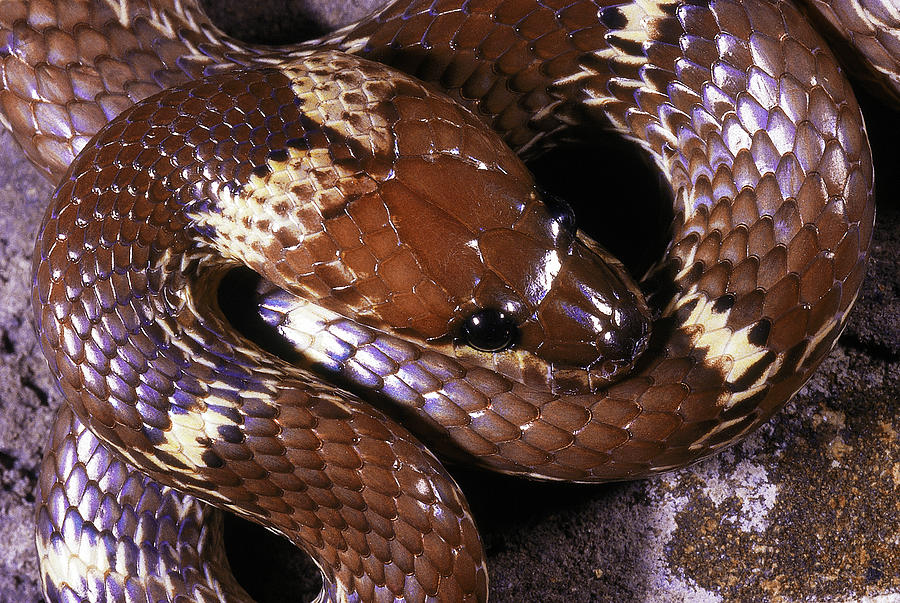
410 258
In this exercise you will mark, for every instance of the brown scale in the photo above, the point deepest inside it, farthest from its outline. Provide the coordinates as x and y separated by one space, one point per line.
741 105
279 474
871 29
83 67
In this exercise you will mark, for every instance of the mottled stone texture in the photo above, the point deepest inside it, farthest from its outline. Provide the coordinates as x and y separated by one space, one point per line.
808 508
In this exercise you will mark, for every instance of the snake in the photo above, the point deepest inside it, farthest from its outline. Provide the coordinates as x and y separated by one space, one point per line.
430 291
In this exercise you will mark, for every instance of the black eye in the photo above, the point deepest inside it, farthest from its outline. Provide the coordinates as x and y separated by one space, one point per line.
489 330
560 211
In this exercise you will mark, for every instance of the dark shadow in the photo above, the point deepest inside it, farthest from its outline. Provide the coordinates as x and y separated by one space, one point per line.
619 197
254 22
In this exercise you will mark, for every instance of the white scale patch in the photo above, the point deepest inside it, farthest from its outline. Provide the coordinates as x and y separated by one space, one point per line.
121 10
637 16
235 235
723 343
298 190
161 18
304 325
64 565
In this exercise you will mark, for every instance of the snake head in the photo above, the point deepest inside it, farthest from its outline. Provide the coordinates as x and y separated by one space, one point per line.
499 267
420 223
570 305
505 273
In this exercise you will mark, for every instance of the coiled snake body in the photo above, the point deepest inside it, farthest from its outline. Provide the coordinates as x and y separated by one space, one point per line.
413 259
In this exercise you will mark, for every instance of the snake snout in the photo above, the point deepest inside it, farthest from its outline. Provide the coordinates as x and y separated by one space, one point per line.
594 316
631 332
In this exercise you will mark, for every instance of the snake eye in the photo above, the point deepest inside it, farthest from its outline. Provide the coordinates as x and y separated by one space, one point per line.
560 211
489 330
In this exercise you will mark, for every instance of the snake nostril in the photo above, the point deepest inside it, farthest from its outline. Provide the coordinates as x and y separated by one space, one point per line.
489 330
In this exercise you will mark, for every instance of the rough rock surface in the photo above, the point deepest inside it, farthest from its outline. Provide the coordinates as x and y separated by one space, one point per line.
806 509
